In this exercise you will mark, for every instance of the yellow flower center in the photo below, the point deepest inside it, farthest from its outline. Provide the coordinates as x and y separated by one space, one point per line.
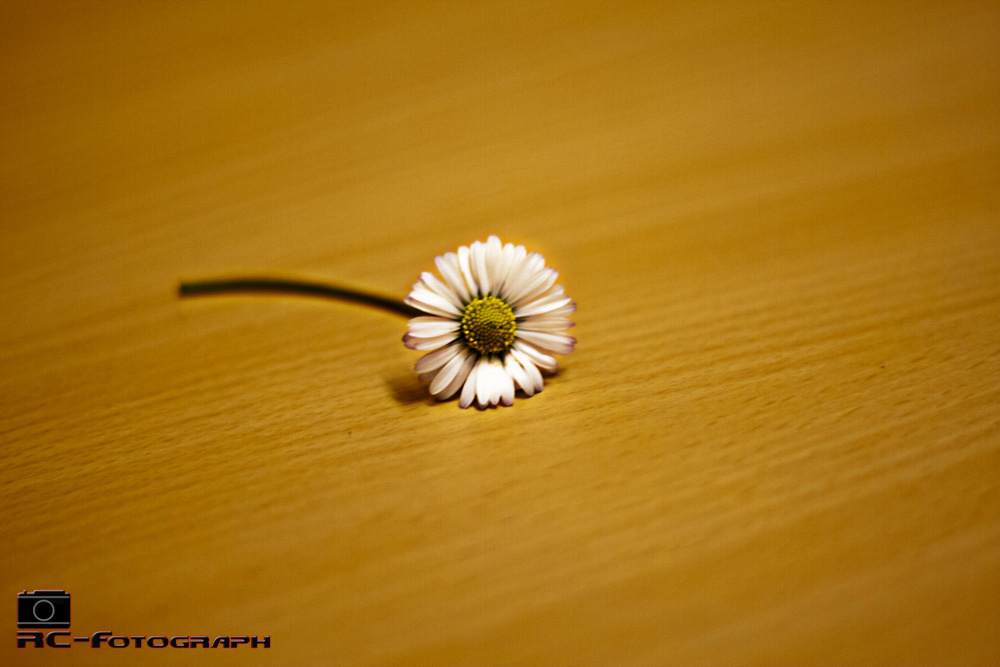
488 325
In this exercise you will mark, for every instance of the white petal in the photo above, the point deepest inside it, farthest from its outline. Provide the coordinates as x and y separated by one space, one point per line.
435 285
545 322
517 373
554 290
418 343
503 268
506 387
522 273
484 382
438 358
429 302
468 360
563 311
549 342
499 380
448 373
448 266
429 327
539 306
534 376
428 319
463 264
515 257
539 358
535 287
494 250
518 266
479 268
469 389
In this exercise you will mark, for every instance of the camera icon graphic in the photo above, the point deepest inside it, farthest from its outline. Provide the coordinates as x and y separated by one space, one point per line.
43 609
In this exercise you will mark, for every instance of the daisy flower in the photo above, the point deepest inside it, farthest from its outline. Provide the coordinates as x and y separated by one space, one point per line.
494 319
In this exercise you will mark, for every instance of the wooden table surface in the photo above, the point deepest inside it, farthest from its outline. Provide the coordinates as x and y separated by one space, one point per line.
777 442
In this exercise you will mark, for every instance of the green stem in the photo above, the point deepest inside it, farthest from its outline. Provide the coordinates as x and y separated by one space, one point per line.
294 287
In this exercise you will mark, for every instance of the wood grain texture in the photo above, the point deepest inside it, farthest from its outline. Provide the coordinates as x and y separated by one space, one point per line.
778 440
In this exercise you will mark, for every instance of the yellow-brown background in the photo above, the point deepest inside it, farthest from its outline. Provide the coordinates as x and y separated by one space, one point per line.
777 442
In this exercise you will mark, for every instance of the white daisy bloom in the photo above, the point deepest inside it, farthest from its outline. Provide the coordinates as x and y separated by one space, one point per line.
494 319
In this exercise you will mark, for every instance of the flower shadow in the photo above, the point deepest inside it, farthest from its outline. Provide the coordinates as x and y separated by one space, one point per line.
407 389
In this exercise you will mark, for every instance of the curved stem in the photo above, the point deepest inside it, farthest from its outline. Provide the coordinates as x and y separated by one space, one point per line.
294 287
